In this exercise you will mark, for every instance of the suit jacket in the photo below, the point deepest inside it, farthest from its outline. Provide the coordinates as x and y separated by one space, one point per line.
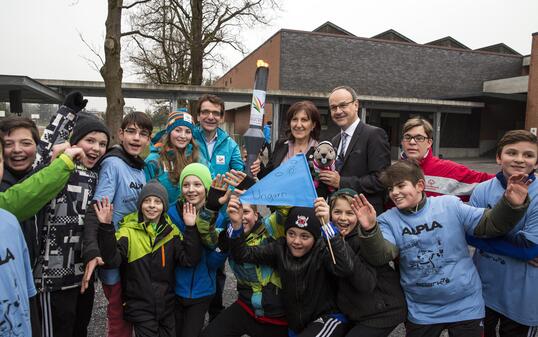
367 154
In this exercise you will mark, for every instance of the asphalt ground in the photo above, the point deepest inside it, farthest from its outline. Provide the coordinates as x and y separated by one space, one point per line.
97 327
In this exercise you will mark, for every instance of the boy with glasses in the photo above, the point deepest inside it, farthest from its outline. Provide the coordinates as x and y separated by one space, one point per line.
443 177
121 179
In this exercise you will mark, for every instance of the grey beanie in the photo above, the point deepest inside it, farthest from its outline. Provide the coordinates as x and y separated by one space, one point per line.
155 189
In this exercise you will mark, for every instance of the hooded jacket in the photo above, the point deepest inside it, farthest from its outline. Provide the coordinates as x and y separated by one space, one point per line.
259 286
121 176
148 259
60 265
371 296
155 170
199 280
226 153
307 282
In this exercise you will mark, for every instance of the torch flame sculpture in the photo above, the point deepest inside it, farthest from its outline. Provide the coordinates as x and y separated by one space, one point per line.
253 137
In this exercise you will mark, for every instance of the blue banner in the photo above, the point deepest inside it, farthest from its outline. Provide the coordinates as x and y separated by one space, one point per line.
290 184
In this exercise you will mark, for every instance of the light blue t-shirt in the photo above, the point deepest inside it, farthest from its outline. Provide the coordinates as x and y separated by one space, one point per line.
437 274
16 281
122 184
510 286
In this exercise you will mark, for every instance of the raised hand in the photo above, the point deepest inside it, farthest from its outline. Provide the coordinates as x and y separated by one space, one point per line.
75 153
235 212
364 211
75 101
218 194
88 272
322 210
220 183
255 168
234 178
517 189
189 214
58 149
104 210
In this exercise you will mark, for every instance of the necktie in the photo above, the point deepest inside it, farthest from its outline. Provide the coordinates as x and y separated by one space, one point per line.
341 154
343 147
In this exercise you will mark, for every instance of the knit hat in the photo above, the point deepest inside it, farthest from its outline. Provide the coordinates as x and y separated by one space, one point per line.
304 218
153 189
85 124
343 191
180 117
198 170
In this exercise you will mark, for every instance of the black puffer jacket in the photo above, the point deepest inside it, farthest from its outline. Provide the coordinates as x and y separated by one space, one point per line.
372 295
308 292
148 258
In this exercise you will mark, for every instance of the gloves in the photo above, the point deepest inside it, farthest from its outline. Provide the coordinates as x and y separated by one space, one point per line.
75 101
329 231
223 243
213 196
247 183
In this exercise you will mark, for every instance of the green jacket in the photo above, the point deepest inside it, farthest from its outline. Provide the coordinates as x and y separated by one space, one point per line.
259 286
148 259
26 198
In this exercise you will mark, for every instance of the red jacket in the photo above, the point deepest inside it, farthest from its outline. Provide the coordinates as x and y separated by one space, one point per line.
445 177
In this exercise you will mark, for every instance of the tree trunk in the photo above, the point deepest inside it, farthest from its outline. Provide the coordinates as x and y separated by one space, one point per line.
197 56
111 71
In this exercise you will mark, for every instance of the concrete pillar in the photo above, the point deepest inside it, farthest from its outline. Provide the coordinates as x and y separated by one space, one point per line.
531 116
362 114
275 128
436 132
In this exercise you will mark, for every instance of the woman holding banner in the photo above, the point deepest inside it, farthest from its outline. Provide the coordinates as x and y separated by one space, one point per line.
303 129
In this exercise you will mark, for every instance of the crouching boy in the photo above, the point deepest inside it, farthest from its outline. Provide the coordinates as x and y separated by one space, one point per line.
148 247
440 282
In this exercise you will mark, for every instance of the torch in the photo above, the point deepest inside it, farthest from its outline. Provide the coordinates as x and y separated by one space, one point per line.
253 137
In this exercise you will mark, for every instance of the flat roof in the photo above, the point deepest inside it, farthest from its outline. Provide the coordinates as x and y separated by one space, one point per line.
31 90
192 92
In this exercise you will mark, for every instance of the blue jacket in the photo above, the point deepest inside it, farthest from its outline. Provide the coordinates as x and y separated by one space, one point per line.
226 153
199 281
154 170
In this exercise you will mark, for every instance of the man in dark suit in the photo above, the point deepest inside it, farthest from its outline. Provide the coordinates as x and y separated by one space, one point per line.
363 150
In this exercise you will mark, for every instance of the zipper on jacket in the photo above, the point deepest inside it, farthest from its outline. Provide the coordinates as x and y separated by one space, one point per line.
192 281
163 257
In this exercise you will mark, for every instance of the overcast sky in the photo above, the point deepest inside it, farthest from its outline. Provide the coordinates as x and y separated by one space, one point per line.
40 38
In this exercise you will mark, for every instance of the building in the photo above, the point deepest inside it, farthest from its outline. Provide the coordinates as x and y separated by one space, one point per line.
391 65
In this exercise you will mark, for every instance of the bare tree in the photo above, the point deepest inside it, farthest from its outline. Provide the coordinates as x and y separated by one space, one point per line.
111 71
177 39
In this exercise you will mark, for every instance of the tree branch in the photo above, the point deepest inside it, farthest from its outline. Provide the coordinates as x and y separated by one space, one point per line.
134 4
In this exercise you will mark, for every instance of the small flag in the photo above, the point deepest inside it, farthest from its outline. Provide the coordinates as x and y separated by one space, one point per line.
290 184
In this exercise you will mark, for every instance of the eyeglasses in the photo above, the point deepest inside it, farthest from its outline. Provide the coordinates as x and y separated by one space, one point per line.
417 138
342 106
134 132
206 113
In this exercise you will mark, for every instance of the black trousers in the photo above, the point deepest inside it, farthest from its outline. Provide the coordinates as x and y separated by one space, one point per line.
324 327
470 328
507 327
359 330
190 315
234 321
164 327
216 304
66 312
